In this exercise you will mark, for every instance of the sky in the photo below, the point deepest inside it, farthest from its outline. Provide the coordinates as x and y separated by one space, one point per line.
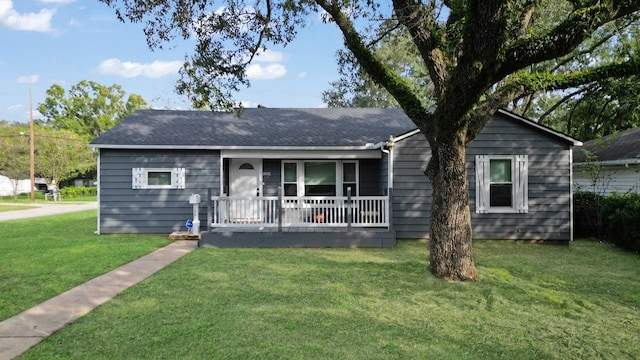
46 42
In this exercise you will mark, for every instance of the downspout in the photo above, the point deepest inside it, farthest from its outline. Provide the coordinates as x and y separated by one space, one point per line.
571 193
389 151
387 148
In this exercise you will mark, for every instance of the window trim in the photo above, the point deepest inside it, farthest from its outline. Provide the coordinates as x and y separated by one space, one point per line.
339 175
519 181
140 178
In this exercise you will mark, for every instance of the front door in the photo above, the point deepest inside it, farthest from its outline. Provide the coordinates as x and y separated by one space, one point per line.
245 184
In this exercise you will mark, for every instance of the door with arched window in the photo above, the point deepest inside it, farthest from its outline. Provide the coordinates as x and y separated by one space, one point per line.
245 182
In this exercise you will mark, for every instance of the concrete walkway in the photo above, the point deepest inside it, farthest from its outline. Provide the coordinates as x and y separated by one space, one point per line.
19 333
45 209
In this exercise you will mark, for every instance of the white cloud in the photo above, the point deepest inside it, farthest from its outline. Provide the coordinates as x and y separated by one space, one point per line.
28 79
267 72
269 56
302 75
14 107
57 1
40 21
248 104
129 69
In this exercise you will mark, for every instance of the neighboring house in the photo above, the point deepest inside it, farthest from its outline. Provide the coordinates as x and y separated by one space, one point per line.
149 164
9 186
613 164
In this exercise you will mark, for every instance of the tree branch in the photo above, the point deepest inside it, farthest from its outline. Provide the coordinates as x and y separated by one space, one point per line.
378 71
420 22
549 82
564 99
561 40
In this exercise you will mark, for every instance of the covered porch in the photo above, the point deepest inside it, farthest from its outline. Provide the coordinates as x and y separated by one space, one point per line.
306 221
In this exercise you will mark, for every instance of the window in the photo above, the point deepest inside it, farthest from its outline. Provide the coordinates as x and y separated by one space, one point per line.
319 178
502 183
152 178
159 178
349 178
290 179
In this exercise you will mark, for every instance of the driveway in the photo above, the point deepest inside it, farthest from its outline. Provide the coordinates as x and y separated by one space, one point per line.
46 209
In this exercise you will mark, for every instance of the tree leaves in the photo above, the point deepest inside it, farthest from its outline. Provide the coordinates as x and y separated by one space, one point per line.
88 108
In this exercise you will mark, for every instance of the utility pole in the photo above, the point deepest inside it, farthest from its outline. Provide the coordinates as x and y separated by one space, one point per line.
31 147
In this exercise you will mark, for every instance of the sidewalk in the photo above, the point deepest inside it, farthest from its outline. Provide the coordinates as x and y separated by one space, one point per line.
19 333
22 331
45 209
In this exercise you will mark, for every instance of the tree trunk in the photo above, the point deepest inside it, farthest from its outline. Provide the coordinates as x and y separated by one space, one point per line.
451 255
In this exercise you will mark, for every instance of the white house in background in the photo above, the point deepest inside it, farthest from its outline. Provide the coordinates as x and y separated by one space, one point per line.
8 186
616 160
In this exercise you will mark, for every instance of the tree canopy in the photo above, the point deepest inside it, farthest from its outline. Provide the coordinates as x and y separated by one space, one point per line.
479 56
59 154
590 110
88 108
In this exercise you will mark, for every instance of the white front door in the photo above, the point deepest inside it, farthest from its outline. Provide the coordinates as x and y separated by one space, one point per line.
245 183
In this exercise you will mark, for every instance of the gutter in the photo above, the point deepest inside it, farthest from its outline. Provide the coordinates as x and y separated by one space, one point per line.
609 162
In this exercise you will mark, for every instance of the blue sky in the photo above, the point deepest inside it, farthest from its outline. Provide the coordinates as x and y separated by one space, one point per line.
46 42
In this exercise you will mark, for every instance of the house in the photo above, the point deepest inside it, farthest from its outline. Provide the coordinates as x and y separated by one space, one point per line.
322 177
612 164
11 187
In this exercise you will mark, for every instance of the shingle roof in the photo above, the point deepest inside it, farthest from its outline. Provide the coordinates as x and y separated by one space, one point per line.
622 146
257 127
270 128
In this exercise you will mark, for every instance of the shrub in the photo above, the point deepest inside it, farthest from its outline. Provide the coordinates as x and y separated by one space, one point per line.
587 214
78 191
621 220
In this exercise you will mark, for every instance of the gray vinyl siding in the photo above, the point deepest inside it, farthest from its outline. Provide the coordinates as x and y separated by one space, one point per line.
549 215
549 196
411 188
127 210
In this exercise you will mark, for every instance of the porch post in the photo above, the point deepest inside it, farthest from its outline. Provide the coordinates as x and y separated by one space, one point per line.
349 209
209 212
279 208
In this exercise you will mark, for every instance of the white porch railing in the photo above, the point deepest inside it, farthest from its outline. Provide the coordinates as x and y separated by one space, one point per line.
316 211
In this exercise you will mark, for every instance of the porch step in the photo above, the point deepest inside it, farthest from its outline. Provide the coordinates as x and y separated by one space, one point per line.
183 235
268 238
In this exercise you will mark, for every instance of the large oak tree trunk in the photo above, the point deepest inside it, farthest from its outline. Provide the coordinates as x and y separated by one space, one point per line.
451 255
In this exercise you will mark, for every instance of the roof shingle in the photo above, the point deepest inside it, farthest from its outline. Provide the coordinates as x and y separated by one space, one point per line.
258 127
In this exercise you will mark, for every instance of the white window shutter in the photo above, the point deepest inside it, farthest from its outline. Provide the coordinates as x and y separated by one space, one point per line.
482 184
521 193
179 175
137 178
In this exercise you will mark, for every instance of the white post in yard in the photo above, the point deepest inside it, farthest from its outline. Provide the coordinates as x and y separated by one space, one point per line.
195 200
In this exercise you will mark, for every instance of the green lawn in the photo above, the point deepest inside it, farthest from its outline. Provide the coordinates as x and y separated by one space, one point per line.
533 302
11 207
43 257
39 198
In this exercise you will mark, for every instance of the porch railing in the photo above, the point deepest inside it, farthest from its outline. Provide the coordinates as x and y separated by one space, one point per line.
330 211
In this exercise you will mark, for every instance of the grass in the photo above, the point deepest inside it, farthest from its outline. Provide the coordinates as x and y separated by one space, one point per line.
11 207
43 257
39 198
534 301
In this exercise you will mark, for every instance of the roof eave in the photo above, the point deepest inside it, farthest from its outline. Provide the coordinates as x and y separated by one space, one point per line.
619 162
212 147
533 124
